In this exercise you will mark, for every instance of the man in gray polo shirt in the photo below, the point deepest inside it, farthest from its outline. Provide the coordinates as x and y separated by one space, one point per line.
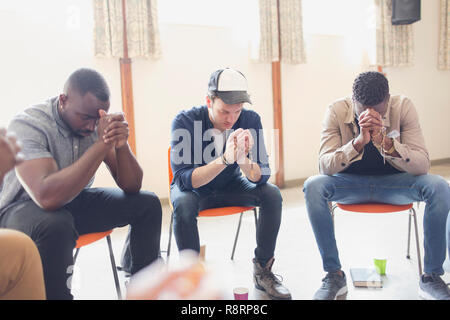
48 196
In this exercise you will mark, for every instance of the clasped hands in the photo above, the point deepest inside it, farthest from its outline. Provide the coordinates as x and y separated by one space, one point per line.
371 129
112 129
238 146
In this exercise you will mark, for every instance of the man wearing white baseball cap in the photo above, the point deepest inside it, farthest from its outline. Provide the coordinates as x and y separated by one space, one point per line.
211 146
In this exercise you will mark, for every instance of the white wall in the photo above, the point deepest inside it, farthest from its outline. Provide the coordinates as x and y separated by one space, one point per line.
307 90
333 63
42 43
41 47
428 87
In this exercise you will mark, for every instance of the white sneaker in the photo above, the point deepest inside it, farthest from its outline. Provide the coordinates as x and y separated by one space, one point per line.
446 265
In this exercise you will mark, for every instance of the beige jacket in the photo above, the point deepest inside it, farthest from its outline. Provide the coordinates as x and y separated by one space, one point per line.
339 129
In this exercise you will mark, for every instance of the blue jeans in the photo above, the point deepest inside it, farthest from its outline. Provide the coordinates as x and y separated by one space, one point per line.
401 188
240 192
448 234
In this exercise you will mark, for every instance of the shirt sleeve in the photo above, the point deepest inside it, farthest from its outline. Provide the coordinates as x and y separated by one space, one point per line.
414 157
32 138
181 155
259 152
334 156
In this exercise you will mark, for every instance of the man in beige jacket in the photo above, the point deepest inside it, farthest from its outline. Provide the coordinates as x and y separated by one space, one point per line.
372 150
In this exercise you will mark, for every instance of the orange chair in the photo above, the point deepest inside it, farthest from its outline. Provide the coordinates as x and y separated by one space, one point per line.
213 212
89 238
385 208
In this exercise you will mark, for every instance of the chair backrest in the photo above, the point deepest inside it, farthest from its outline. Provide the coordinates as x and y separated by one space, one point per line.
170 176
170 167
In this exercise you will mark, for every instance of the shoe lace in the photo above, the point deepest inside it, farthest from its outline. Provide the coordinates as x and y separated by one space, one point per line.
328 281
272 276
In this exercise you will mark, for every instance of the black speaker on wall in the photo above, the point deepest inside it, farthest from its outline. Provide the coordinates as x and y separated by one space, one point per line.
405 11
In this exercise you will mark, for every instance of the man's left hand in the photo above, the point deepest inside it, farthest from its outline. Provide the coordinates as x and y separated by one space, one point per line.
245 143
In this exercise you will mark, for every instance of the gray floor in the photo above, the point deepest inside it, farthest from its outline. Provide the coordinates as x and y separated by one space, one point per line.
360 237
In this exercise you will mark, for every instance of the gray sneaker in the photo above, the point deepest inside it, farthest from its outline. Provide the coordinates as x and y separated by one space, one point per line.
333 287
433 288
446 265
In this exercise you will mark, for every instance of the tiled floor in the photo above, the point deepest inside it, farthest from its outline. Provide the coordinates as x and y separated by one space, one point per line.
360 237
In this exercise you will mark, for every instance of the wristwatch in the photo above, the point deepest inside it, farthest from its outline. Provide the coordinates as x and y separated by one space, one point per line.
392 149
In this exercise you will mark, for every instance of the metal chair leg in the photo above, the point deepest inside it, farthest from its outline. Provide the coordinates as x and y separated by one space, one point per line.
237 235
113 265
419 259
235 239
76 255
409 234
170 236
412 213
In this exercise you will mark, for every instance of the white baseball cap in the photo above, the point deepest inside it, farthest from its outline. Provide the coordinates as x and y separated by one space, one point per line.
230 85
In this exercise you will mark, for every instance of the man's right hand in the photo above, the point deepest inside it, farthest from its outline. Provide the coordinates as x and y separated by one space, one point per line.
230 154
102 126
9 149
370 123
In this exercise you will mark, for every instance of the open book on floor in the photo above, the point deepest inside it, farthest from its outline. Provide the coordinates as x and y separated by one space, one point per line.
366 278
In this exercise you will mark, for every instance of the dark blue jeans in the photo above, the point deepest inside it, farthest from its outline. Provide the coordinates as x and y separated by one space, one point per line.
240 192
401 188
93 210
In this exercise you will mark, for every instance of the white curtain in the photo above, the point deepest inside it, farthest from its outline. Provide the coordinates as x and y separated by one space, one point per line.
395 46
291 31
142 28
444 36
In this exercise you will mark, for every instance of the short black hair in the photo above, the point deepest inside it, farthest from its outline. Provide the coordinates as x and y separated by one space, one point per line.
370 88
212 95
86 80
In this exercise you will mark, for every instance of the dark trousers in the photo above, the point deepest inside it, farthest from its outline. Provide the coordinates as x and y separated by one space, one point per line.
93 210
240 192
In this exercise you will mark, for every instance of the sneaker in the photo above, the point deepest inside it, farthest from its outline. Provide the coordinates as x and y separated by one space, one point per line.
333 287
446 265
126 272
432 287
266 281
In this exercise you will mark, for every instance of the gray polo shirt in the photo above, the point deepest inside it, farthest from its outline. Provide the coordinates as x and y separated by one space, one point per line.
43 134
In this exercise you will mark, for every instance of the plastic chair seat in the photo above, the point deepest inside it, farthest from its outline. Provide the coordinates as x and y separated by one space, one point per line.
89 238
374 207
223 211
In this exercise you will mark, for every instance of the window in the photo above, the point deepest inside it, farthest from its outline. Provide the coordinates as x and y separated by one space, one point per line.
241 17
354 20
337 17
219 13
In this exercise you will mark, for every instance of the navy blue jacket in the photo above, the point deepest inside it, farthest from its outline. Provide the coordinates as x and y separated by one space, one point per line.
191 143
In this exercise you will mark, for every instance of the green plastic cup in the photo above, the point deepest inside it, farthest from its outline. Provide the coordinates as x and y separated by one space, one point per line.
380 266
